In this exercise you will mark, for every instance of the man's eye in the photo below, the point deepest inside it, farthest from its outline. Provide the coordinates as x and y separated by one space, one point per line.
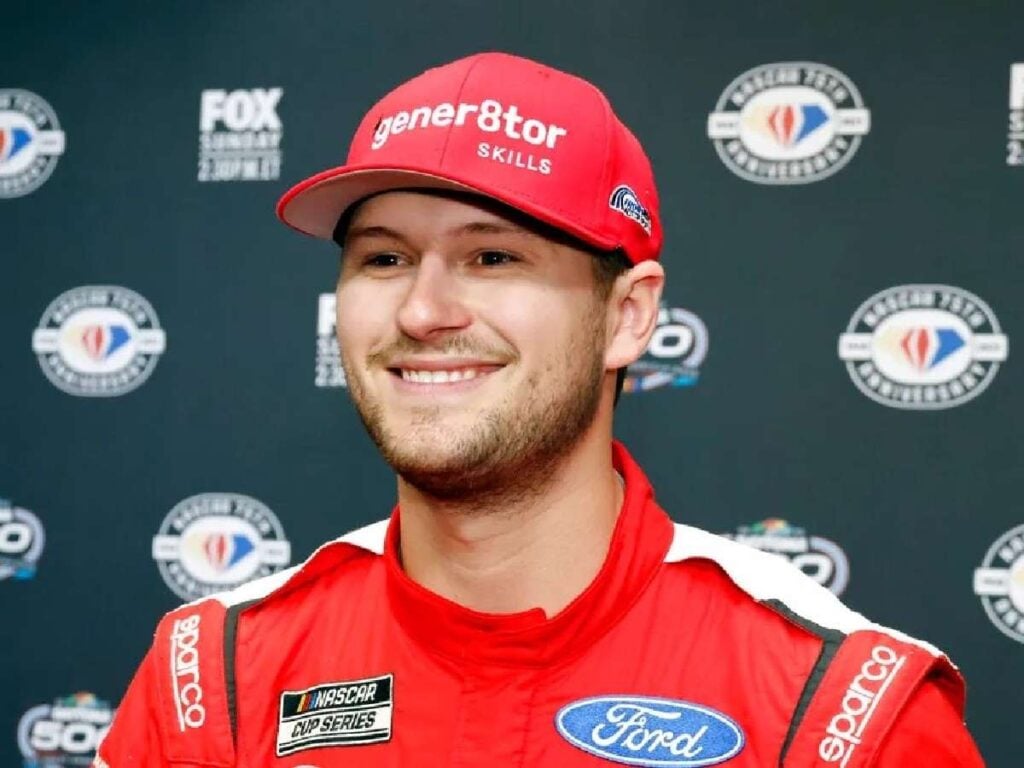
494 258
382 260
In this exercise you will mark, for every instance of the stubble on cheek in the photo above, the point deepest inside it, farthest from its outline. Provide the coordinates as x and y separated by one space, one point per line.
511 447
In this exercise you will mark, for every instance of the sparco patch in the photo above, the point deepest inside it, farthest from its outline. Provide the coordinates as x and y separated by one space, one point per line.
340 714
846 729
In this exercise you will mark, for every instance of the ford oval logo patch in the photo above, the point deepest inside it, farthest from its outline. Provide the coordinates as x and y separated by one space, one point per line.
643 730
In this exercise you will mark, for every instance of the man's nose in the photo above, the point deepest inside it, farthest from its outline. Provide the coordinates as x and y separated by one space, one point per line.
433 303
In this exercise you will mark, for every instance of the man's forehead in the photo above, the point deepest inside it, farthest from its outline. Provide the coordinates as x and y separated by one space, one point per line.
438 212
413 211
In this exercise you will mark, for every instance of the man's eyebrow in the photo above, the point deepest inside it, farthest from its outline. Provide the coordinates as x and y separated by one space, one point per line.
489 228
471 228
375 230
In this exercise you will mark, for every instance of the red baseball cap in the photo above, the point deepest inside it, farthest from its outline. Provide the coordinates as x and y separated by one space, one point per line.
539 140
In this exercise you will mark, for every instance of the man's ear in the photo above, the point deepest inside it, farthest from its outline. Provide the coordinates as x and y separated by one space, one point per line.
633 313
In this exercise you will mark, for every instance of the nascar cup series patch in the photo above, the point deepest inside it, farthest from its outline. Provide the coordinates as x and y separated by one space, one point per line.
341 714
788 123
650 731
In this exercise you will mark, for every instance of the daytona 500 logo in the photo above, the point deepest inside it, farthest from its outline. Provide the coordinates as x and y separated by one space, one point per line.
64 733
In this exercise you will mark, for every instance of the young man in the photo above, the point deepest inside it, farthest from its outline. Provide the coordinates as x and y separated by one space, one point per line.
527 603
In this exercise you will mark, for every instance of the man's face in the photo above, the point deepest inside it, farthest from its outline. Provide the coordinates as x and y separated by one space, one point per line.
473 348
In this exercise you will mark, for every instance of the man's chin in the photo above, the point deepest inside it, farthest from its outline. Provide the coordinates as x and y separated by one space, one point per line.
409 456
443 462
437 474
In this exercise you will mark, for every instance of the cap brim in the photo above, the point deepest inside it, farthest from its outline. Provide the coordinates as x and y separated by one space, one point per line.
314 206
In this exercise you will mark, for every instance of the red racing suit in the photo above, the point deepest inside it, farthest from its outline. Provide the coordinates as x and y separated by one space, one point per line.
687 649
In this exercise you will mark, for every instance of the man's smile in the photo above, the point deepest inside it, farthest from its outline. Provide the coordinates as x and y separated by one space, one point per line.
420 374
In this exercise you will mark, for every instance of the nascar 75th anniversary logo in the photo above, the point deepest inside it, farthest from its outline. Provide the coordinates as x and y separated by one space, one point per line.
335 715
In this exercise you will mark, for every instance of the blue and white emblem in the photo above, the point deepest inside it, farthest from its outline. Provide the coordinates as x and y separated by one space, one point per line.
31 142
625 201
649 731
98 341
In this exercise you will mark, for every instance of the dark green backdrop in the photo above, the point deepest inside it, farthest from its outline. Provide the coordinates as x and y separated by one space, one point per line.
773 428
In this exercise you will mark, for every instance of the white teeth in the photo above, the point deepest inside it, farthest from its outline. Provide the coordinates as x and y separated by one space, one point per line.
439 377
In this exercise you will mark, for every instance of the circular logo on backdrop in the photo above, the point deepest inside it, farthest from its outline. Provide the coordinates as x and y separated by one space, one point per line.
213 542
673 356
788 123
999 582
98 341
65 733
30 142
21 542
923 347
820 558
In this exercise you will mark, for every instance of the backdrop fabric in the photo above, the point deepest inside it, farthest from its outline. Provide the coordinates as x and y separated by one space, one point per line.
833 377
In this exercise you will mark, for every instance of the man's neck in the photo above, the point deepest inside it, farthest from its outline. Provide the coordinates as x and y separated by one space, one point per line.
540 552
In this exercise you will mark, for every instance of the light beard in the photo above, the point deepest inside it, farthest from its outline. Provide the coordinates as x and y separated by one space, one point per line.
516 446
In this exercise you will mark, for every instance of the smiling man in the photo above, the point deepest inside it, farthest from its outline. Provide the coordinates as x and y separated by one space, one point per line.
528 603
